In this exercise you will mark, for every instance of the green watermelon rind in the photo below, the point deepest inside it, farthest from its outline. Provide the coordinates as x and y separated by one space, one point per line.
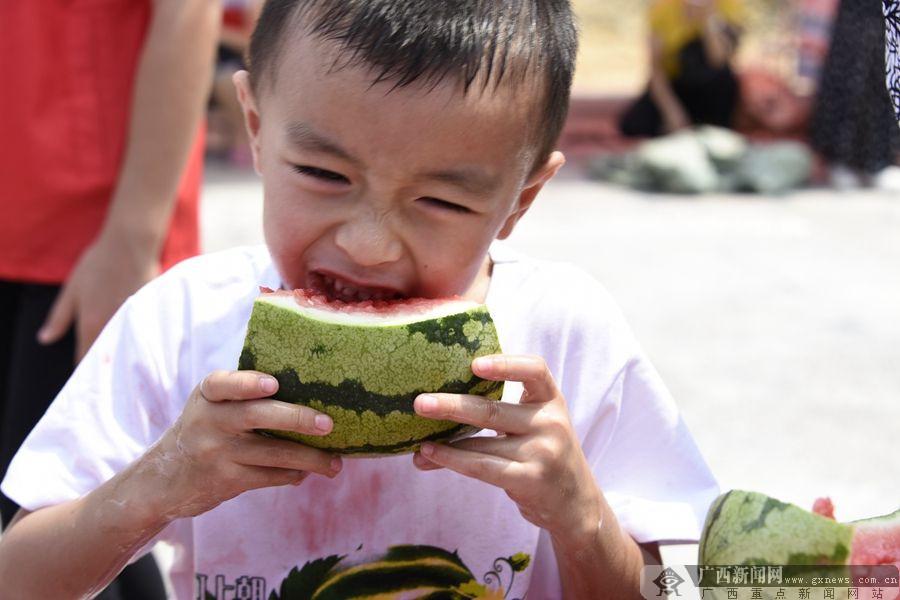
366 377
749 528
892 519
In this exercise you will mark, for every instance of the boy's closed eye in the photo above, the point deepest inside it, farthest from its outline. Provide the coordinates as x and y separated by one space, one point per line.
321 174
327 176
444 205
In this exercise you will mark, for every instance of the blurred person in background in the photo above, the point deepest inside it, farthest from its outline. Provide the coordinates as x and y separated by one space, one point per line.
227 136
101 152
692 47
853 125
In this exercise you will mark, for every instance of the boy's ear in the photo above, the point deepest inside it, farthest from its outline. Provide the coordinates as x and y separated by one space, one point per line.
250 110
530 191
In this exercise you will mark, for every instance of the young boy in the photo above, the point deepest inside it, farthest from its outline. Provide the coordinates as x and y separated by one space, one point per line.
396 140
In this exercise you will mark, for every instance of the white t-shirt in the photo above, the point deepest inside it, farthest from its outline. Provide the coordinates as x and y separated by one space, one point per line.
133 383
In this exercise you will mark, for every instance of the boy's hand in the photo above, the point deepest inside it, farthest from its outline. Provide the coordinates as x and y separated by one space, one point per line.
536 459
211 454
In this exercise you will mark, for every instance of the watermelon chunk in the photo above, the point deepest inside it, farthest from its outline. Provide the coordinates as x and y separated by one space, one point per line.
364 363
749 528
876 541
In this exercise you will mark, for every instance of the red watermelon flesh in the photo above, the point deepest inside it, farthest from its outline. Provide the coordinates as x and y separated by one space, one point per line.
824 507
369 310
875 541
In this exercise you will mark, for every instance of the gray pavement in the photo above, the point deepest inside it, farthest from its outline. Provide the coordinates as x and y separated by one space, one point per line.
774 321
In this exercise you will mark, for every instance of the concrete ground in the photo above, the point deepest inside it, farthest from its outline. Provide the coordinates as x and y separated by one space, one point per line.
774 321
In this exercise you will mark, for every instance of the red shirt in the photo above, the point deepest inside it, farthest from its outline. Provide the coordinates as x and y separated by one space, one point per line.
68 68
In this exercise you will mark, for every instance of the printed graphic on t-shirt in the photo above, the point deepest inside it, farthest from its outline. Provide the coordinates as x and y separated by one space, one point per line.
403 572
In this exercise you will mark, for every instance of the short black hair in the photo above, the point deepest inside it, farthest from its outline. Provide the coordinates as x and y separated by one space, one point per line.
427 41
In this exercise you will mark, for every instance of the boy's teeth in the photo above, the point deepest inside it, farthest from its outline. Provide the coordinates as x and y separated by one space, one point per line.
341 290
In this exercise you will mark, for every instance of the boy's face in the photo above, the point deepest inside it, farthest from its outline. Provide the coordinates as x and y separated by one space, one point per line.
370 194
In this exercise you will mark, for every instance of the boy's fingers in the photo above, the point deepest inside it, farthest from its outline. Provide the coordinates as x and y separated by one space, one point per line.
476 410
423 464
494 470
282 454
59 319
263 477
274 414
499 445
237 385
532 371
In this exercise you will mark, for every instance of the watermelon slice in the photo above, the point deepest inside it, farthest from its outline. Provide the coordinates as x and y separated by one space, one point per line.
748 528
364 363
876 541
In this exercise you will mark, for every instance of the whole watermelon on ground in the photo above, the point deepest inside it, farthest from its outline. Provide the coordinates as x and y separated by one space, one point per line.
364 363
749 528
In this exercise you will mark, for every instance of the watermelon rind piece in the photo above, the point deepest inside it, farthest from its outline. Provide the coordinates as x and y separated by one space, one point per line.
365 367
749 528
890 519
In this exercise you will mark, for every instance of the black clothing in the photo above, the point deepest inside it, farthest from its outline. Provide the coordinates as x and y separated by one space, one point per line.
709 95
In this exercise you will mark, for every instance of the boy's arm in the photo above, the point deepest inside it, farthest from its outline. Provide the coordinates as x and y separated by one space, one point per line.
607 559
210 455
171 86
74 549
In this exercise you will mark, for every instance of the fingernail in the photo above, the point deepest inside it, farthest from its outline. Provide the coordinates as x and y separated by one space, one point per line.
420 461
323 423
268 384
335 465
482 362
427 449
43 336
427 403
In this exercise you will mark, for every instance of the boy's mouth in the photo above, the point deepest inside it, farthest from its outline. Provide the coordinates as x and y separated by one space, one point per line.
334 287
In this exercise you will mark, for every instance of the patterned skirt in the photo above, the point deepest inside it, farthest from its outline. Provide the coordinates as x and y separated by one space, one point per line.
892 17
853 121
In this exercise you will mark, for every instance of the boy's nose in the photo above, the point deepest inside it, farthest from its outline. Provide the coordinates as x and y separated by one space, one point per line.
368 242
